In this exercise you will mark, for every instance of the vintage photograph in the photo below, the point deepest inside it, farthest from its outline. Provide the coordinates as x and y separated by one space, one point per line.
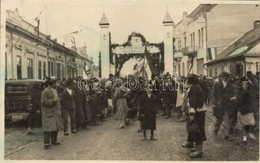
129 80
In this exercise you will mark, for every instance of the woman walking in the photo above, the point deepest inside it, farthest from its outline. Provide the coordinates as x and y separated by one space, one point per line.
148 104
245 111
121 104
51 114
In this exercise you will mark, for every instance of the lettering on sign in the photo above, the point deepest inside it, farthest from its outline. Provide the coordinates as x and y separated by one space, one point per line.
128 49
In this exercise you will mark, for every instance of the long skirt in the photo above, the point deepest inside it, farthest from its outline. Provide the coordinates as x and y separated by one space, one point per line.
122 109
198 134
179 99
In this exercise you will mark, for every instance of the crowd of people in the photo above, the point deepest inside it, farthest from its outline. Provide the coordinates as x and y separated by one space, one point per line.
235 101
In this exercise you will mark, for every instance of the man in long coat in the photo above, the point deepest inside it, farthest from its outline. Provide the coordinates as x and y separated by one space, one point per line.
68 107
51 114
80 102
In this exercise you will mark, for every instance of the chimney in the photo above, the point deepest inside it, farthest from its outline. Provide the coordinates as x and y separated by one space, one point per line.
257 24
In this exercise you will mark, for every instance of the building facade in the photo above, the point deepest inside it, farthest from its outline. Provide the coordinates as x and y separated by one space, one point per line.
31 54
226 24
207 31
241 56
190 42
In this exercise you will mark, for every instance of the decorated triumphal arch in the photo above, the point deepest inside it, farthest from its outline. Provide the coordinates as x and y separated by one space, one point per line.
157 56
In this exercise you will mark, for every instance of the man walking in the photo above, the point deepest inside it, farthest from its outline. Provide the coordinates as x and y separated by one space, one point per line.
223 104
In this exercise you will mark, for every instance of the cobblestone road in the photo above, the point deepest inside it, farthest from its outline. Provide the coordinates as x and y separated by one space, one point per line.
107 142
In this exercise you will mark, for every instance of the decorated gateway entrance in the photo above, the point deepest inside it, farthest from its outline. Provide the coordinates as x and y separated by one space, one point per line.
151 58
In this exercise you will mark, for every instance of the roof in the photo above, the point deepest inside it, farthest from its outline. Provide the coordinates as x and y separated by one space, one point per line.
167 18
104 20
197 11
248 45
201 9
248 39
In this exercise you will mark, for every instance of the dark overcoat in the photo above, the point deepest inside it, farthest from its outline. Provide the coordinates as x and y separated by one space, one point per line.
51 111
67 100
147 109
196 100
80 102
221 99
168 94
244 99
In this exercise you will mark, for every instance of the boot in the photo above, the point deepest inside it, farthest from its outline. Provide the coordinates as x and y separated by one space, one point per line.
199 152
152 135
187 145
251 135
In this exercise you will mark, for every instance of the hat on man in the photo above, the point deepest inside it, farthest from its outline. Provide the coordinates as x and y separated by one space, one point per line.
50 80
225 74
192 79
69 82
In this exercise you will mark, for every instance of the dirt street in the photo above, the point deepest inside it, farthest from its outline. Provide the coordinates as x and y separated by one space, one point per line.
107 142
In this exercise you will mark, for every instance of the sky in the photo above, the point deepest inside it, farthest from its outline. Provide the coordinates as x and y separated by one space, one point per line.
61 17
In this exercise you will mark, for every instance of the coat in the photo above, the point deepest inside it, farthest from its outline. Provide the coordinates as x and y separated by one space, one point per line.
147 109
196 100
80 98
168 95
221 99
96 102
51 111
195 96
67 101
244 99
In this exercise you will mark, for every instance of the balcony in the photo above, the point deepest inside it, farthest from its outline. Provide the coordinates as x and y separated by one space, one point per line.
190 50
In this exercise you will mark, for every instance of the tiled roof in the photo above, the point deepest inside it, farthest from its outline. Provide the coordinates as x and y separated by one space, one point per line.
248 39
247 45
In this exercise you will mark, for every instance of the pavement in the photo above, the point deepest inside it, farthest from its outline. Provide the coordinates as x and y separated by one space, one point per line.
107 142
